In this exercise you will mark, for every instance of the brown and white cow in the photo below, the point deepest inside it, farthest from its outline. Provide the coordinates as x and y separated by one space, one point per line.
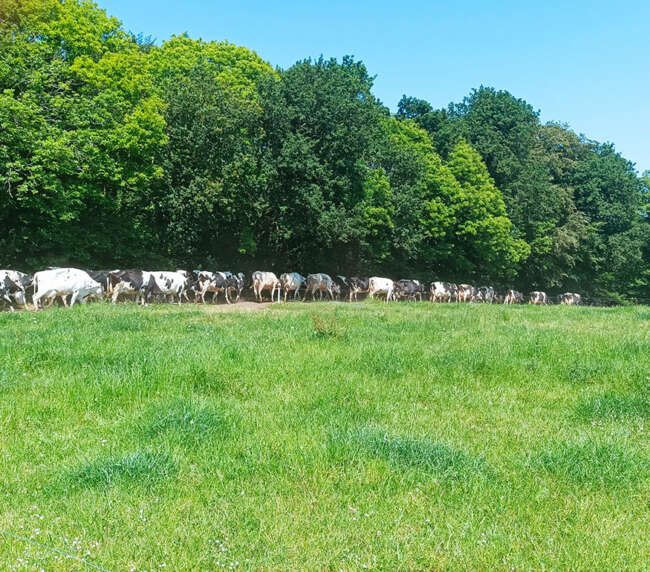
466 293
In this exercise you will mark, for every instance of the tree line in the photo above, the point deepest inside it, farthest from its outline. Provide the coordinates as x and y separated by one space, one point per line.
117 152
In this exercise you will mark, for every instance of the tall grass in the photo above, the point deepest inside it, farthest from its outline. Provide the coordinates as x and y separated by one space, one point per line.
320 436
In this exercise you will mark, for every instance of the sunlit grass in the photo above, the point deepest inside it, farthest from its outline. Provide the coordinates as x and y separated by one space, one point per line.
326 436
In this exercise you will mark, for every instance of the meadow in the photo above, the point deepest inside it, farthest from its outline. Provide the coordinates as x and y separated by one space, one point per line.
325 436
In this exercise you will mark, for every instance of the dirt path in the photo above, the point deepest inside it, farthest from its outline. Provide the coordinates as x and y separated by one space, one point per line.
245 306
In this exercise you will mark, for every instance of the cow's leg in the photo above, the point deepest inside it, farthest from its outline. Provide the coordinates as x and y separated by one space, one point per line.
73 299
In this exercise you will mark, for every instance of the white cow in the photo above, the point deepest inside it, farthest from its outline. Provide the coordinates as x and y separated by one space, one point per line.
292 282
64 281
377 285
265 281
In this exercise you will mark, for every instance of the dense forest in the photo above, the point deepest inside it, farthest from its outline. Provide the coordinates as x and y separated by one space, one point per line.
117 152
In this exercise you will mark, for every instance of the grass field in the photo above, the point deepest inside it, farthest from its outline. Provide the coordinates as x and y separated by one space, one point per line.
314 436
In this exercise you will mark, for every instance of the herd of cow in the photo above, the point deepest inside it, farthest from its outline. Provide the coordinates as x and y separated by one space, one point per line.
48 285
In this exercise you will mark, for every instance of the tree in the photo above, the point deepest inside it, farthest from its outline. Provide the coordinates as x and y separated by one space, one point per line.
81 128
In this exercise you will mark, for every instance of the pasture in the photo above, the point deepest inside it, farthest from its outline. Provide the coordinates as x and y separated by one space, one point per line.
325 436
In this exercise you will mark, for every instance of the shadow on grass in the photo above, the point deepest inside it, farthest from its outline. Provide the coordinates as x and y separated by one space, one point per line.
185 420
593 464
610 406
406 452
137 467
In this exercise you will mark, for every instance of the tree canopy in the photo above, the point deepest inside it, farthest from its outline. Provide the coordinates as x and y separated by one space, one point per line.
115 151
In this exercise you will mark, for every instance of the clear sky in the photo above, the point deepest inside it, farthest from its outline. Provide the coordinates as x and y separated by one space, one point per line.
585 63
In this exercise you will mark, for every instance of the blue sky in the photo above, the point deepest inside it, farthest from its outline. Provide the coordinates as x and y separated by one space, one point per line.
586 63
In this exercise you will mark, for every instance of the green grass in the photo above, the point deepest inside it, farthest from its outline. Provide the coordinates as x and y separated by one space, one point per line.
326 436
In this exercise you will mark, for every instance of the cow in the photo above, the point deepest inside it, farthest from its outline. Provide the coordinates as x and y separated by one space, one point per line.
103 277
411 290
466 293
215 282
219 282
14 285
357 286
129 282
341 287
538 298
9 290
321 283
514 297
442 292
571 299
236 282
64 281
172 284
377 285
265 281
485 294
292 282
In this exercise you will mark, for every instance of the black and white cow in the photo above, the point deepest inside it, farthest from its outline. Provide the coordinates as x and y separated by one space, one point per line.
485 294
514 297
9 290
356 286
167 284
320 283
236 283
214 282
410 290
341 287
130 282
265 281
63 282
103 277
14 285
571 299
442 292
292 282
538 298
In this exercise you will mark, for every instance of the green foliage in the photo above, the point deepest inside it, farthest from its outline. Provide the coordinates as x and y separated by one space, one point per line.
578 204
117 152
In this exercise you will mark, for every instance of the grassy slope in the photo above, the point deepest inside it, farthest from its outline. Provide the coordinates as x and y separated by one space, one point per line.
408 436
